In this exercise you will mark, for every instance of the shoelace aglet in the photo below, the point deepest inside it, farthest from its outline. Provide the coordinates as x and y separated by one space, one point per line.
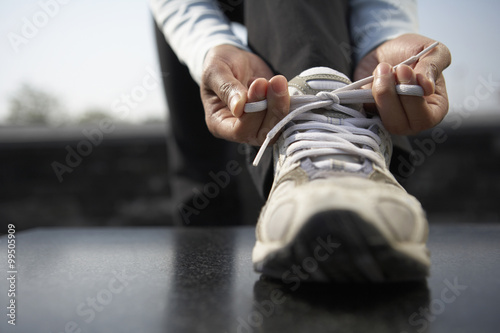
358 84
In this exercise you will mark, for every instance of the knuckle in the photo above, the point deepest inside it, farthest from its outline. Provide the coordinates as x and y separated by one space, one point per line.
434 70
212 79
225 89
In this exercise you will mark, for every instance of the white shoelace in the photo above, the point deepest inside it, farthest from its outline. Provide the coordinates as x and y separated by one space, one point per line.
312 137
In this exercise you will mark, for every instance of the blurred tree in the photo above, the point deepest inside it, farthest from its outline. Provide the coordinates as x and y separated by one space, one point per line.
32 106
94 116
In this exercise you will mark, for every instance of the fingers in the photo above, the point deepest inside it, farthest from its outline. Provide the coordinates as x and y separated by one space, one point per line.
430 68
418 114
252 128
257 90
230 78
402 115
386 98
407 114
278 105
221 81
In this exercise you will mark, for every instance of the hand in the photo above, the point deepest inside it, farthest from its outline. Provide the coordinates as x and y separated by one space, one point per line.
407 115
232 77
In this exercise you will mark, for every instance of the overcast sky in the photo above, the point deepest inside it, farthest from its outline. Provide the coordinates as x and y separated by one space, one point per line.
89 53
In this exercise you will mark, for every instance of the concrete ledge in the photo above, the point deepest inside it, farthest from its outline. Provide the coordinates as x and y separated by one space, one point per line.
16 136
124 179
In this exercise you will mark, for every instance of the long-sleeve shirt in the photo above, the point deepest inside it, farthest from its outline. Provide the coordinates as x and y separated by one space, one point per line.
193 27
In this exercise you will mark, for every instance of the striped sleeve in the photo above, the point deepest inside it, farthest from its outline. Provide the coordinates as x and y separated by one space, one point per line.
192 28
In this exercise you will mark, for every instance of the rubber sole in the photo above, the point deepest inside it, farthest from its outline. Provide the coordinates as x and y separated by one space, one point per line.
340 246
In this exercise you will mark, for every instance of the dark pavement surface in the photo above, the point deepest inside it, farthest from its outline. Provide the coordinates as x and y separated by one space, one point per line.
201 280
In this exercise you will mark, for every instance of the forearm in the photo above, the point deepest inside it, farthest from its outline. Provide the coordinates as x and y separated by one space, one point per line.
376 21
192 28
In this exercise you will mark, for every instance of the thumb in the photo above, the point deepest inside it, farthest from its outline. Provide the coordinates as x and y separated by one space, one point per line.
222 81
236 103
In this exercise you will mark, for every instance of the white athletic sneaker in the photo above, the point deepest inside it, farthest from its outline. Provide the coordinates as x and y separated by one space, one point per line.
335 212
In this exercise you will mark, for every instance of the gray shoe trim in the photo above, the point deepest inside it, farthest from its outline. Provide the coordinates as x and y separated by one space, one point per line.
300 82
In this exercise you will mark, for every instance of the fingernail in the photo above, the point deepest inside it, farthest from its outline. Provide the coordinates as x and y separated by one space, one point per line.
233 101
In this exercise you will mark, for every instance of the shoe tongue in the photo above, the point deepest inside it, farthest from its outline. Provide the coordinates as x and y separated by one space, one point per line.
317 79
